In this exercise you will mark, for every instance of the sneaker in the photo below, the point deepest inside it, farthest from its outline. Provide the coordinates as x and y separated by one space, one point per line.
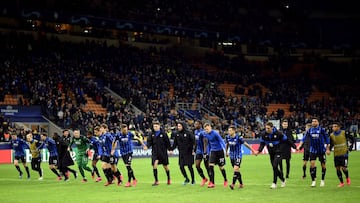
241 186
128 184
273 186
283 183
193 182
121 177
66 179
75 175
42 172
287 176
28 177
156 183
59 178
348 181
203 181
322 183
231 186
225 183
20 175
211 185
67 174
98 179
186 182
84 180
134 182
169 182
304 176
313 184
119 183
108 183
41 178
341 185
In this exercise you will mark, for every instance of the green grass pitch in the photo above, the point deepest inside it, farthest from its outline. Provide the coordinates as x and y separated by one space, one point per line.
256 173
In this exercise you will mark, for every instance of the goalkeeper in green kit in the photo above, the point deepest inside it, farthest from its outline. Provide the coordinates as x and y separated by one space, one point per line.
82 144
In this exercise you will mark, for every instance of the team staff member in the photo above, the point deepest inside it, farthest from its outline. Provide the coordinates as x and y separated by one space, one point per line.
159 142
273 139
339 140
286 130
184 140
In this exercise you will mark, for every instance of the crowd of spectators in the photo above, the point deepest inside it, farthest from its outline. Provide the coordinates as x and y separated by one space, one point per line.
57 75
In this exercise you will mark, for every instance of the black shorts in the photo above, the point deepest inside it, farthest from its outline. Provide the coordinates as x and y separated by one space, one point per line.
20 158
322 157
53 160
217 158
306 155
35 162
163 160
201 157
127 158
105 159
235 162
114 160
341 161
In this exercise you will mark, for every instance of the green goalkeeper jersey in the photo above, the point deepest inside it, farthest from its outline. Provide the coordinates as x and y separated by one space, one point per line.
82 144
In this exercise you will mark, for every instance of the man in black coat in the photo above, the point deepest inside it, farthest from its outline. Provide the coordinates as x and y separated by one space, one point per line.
286 147
64 156
184 140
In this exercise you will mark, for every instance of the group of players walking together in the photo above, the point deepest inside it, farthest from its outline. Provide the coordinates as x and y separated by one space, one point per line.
202 144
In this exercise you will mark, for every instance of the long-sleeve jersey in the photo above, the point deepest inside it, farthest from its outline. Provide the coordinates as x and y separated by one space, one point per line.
199 140
19 146
215 141
106 144
95 144
318 139
235 146
82 144
124 142
273 141
50 145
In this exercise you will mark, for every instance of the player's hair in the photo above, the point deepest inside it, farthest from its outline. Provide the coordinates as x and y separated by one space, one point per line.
97 128
123 125
232 127
337 123
44 134
207 124
156 123
104 126
270 124
285 121
65 130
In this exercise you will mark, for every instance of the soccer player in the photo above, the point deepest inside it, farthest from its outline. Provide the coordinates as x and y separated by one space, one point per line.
95 145
217 154
306 147
160 143
235 142
124 140
53 153
286 130
35 154
273 139
201 152
319 145
107 159
184 140
339 139
82 145
19 146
